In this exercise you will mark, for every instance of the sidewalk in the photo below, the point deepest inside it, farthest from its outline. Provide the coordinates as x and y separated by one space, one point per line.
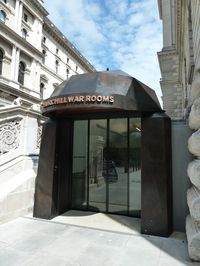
27 241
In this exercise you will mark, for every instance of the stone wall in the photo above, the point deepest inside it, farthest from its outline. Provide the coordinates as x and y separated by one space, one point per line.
193 194
19 148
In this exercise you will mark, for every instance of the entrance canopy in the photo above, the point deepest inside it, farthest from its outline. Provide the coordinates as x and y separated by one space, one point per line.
101 91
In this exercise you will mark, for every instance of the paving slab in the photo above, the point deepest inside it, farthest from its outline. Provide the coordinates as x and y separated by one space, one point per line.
28 241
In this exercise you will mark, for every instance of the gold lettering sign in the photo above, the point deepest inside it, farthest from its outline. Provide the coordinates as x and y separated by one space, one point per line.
78 99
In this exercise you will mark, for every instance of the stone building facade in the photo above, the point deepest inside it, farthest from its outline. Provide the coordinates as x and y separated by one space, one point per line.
180 83
34 58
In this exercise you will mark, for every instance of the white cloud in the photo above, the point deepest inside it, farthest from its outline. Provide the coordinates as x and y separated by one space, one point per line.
116 34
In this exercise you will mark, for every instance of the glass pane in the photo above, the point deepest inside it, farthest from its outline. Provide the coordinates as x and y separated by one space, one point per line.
135 167
97 184
79 166
116 164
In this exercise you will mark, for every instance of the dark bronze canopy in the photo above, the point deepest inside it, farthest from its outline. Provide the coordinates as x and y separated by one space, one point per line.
100 91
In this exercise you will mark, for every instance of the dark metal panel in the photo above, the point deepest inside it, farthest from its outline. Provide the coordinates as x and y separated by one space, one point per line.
156 216
63 164
126 92
44 205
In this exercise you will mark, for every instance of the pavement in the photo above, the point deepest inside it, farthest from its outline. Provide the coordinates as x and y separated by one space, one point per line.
29 241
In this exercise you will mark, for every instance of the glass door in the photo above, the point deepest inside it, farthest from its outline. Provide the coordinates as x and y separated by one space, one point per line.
106 174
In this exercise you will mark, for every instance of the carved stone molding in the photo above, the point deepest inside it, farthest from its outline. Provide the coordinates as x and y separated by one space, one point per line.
39 135
9 135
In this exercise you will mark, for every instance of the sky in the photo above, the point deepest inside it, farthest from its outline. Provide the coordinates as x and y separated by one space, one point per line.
114 34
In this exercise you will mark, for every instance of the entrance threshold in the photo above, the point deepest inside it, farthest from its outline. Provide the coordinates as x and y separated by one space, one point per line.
102 221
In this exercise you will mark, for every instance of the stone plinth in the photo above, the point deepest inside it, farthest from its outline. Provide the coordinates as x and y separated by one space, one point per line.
193 236
193 200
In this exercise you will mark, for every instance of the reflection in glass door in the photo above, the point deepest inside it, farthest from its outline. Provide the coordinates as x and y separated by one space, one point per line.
134 166
106 174
97 182
79 165
117 165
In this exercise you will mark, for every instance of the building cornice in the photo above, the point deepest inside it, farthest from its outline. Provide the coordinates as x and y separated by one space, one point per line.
51 29
167 53
36 4
19 93
52 73
9 32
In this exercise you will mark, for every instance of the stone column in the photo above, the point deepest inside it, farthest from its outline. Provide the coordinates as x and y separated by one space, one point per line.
16 14
17 58
13 65
19 21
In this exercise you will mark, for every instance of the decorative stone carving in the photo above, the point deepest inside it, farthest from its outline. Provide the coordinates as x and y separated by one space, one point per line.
194 172
17 101
9 136
39 135
193 200
194 143
194 117
193 236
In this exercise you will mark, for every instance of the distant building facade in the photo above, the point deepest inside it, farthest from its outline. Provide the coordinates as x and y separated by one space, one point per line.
35 57
180 84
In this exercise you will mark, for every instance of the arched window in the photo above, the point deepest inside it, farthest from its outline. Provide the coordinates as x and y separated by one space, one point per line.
2 16
1 61
5 1
22 68
24 33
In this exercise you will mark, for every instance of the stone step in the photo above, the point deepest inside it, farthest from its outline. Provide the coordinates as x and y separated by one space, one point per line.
193 200
194 117
194 143
194 172
193 237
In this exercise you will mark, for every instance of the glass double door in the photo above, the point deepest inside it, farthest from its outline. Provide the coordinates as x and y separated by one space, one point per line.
106 174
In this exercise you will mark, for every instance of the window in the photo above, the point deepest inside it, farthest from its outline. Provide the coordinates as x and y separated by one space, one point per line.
67 60
41 90
44 54
5 1
24 33
25 17
57 50
1 61
67 72
76 68
56 63
21 72
44 40
2 16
